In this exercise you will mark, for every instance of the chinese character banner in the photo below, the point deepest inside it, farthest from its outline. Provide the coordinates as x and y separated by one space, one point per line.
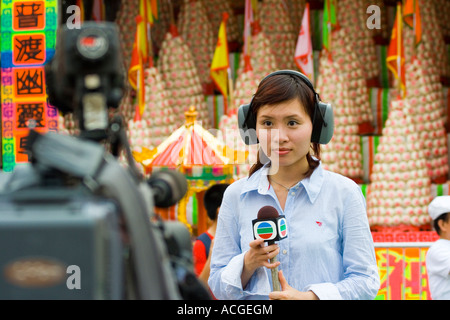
28 37
403 274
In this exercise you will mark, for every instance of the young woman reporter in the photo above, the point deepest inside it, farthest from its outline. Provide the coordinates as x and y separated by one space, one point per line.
329 252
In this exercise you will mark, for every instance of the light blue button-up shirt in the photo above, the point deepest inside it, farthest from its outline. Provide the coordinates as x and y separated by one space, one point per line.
329 248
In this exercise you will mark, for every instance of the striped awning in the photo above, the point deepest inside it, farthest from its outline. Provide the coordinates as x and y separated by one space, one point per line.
190 145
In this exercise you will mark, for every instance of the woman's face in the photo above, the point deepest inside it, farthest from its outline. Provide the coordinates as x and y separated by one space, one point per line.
284 133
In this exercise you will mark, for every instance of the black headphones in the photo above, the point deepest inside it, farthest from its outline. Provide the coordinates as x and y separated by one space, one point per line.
323 119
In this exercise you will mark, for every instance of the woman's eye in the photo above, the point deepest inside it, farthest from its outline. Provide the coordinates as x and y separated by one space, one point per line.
267 123
292 123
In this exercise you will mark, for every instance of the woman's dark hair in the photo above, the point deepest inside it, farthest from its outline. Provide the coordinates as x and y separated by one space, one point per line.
213 199
281 88
444 217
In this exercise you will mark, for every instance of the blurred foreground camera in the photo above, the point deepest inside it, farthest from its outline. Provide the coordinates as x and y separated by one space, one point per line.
74 222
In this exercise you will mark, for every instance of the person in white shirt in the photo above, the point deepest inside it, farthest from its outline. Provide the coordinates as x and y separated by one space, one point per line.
329 252
438 256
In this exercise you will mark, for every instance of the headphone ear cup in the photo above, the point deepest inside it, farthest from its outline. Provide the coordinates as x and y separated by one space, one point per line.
323 126
247 125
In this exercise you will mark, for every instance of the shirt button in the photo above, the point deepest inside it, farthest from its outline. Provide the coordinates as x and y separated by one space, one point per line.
284 251
292 193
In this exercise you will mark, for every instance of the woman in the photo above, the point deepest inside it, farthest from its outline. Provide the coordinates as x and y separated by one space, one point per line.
329 252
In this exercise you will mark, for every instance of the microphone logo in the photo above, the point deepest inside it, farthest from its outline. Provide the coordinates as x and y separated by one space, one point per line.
270 229
282 230
265 230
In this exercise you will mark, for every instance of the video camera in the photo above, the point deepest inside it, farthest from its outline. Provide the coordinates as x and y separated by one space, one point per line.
75 223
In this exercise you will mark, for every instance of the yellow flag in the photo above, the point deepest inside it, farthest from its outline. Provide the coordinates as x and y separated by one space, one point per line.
220 62
142 28
139 57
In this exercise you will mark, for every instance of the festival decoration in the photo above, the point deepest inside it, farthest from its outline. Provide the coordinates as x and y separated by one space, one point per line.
158 121
396 52
214 11
329 23
424 89
245 87
192 22
344 38
304 51
127 26
296 10
352 16
402 268
28 32
220 65
262 57
433 42
425 98
196 153
127 31
177 68
342 154
399 192
277 25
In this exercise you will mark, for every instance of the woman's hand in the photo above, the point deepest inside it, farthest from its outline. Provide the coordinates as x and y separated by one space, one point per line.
258 255
289 293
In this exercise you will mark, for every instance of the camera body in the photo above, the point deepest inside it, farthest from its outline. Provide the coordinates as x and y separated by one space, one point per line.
75 223
59 243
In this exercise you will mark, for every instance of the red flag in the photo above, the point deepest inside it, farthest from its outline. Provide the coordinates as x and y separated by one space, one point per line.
98 10
396 54
248 20
154 8
303 51
412 18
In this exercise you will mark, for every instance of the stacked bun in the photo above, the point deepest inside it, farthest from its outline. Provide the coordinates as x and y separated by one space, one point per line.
195 28
400 188
179 74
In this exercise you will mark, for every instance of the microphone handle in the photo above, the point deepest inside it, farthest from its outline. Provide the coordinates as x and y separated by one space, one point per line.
275 281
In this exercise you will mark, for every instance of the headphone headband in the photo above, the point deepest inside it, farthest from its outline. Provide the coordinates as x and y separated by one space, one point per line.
292 73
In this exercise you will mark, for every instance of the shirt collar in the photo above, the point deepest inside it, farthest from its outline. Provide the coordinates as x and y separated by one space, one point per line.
313 183
258 181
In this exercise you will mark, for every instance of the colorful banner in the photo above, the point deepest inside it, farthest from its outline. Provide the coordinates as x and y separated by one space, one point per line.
403 274
401 259
28 37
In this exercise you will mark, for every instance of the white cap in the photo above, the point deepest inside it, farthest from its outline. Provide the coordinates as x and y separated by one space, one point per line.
438 206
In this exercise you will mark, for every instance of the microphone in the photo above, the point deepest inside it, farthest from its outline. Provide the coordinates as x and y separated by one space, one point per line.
270 226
